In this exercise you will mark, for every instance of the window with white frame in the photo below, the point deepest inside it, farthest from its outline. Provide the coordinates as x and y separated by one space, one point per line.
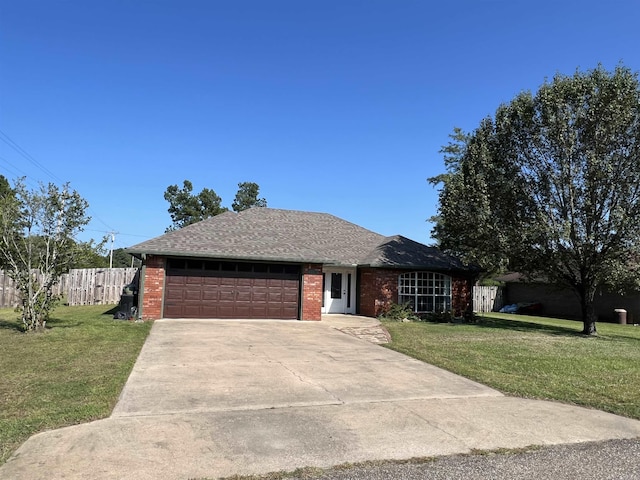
425 291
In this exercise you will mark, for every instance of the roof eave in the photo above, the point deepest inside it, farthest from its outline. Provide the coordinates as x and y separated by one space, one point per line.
257 258
422 267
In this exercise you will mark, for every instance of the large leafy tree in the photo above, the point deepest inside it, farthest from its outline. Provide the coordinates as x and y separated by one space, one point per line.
90 254
247 197
186 208
550 186
37 230
121 259
5 187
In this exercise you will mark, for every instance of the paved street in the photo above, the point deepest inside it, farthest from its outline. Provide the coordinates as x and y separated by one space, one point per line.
608 460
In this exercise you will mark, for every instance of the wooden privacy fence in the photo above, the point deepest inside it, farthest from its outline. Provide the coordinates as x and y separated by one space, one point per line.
97 286
487 299
83 286
9 294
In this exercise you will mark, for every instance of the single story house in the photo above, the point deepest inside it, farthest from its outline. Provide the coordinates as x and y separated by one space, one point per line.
286 264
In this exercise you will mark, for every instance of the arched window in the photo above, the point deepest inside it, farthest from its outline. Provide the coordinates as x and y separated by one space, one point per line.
425 291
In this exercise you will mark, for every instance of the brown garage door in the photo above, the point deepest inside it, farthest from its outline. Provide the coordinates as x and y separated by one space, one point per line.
206 289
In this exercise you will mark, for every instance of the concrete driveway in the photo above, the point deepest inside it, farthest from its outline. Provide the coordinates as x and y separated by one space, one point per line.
217 398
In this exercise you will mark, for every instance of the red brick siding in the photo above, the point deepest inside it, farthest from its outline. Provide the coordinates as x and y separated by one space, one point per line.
461 296
379 290
153 288
311 292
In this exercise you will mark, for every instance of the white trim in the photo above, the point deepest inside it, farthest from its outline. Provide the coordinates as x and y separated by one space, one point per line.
425 288
347 301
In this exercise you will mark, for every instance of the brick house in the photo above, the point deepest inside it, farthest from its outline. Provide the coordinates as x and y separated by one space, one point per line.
286 264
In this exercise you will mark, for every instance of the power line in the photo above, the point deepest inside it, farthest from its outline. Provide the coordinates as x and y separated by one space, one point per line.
16 171
99 219
9 141
119 233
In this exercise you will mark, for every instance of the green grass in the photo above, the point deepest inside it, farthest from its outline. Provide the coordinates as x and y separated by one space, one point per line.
70 374
534 357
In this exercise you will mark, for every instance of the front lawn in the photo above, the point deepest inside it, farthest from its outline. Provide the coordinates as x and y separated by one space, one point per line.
534 357
70 374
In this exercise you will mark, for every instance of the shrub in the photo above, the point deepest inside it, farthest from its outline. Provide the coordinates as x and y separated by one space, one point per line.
397 313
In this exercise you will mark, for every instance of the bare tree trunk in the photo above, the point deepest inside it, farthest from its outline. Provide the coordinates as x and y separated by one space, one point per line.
588 312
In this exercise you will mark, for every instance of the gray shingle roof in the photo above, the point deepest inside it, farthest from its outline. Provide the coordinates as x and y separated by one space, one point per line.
269 234
402 252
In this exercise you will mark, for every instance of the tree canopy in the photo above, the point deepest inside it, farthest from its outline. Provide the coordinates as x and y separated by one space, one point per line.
37 231
90 255
5 188
247 197
122 259
550 186
186 208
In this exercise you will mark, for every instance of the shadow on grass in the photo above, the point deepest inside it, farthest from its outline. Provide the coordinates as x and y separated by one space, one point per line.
525 326
112 311
4 324
53 324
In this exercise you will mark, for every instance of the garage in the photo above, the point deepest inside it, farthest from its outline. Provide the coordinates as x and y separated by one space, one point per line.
221 289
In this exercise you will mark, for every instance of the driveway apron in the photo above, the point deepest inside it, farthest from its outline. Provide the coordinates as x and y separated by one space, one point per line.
212 398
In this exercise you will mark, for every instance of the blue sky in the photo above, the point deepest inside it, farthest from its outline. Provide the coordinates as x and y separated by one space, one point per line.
336 106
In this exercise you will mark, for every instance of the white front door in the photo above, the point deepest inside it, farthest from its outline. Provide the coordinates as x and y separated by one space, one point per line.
339 290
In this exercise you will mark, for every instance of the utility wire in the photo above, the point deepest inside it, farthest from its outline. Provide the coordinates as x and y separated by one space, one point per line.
119 233
16 171
9 141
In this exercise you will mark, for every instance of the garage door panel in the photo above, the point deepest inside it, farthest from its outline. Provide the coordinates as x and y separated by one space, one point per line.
275 296
175 279
191 311
172 311
243 294
243 311
239 295
192 295
210 295
226 311
290 313
290 297
259 297
174 294
259 311
209 311
226 297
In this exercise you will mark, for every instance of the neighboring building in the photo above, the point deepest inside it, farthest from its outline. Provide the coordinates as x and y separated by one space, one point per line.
286 264
553 301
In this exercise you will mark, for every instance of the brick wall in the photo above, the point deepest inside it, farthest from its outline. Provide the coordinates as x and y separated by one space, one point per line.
379 290
153 288
311 292
461 296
